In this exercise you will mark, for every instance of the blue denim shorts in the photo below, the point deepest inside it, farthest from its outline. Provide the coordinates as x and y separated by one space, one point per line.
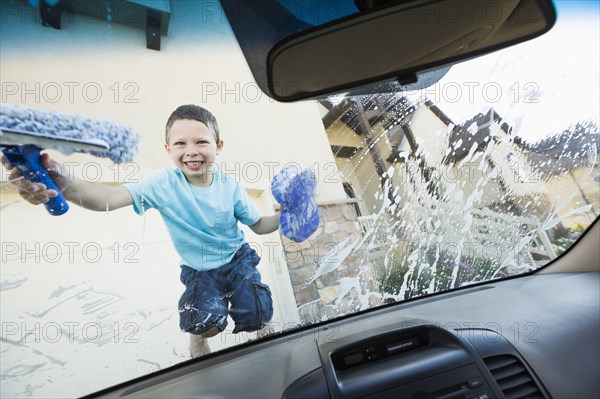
233 289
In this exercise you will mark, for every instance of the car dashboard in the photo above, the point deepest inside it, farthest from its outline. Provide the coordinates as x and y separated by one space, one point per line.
531 337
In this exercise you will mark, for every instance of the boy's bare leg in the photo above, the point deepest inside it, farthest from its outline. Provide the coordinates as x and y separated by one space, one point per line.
199 343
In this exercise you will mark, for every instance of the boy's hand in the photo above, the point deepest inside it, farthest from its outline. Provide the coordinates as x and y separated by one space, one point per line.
36 193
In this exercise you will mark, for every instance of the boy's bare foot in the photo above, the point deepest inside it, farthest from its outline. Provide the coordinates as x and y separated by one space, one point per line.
266 330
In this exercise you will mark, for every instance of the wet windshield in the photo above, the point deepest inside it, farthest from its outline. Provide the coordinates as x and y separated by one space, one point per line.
490 173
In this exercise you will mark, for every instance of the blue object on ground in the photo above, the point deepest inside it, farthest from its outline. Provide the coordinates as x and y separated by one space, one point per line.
294 187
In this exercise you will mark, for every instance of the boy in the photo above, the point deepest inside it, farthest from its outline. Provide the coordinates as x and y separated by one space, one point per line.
201 208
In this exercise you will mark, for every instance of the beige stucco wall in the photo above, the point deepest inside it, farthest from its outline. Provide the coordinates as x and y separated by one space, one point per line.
359 169
575 190
431 134
104 70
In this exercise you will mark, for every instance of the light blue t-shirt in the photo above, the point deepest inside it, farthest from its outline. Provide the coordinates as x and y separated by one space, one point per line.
202 221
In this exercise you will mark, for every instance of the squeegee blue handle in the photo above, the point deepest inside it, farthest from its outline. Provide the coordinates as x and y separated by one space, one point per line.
27 159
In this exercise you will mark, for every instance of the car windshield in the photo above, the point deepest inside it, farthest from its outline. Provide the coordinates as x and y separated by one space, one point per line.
490 173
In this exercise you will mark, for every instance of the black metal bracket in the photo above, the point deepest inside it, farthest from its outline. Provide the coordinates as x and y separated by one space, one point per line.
153 25
51 14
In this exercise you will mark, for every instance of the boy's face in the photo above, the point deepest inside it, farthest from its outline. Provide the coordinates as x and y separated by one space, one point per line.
193 148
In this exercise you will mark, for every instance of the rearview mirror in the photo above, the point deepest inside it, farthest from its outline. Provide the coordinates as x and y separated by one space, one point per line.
397 40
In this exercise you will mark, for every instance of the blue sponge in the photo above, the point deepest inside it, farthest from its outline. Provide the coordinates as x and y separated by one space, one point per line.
294 187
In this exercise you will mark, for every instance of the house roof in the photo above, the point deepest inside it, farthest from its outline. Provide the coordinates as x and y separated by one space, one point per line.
565 151
475 131
551 156
387 109
438 112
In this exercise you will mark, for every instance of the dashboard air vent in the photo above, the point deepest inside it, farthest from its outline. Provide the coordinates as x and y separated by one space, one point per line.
513 378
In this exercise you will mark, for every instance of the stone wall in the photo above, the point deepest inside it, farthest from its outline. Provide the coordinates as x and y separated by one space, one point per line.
346 283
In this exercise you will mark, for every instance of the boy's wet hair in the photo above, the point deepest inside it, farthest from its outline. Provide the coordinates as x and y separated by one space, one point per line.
191 111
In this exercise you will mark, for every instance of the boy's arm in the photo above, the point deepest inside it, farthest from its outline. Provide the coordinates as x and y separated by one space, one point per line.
93 196
97 196
266 224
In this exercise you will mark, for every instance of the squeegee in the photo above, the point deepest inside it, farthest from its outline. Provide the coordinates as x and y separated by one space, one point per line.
25 132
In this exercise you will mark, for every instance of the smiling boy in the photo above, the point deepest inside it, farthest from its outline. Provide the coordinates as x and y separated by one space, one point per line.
201 208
